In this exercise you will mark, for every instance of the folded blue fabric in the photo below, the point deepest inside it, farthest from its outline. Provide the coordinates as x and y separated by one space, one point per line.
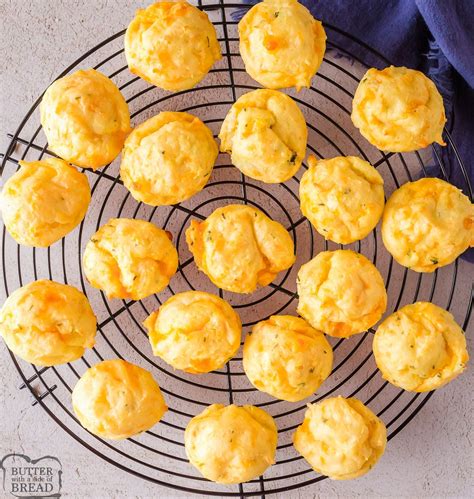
433 36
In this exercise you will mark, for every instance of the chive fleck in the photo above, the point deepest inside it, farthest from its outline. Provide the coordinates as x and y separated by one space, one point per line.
434 260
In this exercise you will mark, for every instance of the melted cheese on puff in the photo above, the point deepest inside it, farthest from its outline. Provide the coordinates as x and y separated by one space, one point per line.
168 158
195 331
265 133
427 224
398 109
116 399
231 444
342 197
238 248
171 45
420 347
287 358
130 259
85 118
48 323
281 44
341 438
341 293
44 201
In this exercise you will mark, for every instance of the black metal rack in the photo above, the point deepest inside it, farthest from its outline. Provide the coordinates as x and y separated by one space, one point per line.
158 455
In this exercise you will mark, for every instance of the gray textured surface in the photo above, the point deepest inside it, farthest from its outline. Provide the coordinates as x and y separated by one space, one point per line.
432 457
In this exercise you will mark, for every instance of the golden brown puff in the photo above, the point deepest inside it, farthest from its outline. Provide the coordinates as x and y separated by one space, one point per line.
341 438
342 197
427 224
130 259
287 358
85 118
265 133
231 444
116 399
172 45
238 248
398 109
341 293
43 201
168 158
281 43
47 323
420 347
195 331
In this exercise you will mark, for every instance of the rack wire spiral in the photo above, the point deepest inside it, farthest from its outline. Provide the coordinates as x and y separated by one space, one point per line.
158 455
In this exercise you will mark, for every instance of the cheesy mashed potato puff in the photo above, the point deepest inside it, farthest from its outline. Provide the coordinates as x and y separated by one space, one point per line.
281 43
168 158
130 259
341 438
115 399
43 201
47 323
342 197
287 358
172 45
420 348
231 444
341 293
398 109
239 248
265 133
85 118
427 224
195 331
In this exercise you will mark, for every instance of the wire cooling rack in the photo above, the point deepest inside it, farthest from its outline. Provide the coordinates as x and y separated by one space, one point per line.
158 455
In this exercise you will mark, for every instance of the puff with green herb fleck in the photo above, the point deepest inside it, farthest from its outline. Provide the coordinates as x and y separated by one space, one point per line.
420 347
265 133
242 249
286 357
427 224
231 444
168 158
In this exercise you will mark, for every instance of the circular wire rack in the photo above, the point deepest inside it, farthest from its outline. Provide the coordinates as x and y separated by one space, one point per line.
158 455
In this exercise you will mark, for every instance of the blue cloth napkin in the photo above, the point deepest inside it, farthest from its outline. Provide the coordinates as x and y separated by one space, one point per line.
433 36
